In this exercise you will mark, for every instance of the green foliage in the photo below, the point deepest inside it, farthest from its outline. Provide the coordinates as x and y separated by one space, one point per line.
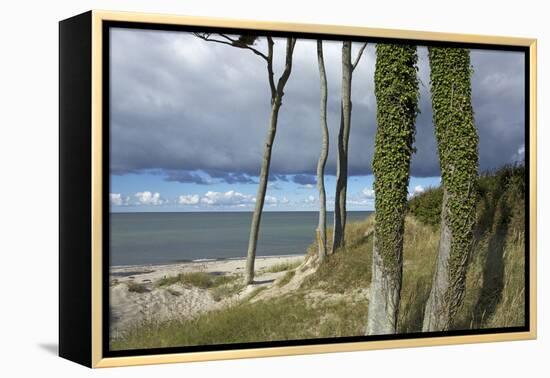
450 73
245 40
198 279
396 90
426 206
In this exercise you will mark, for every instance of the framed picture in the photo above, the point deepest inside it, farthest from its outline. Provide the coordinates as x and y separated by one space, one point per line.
234 189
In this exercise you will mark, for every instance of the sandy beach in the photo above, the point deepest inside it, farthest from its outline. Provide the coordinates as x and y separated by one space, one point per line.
136 294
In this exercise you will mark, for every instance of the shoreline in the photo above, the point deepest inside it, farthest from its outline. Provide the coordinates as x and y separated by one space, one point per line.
205 260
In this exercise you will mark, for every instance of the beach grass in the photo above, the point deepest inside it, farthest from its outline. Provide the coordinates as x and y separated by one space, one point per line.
135 287
346 269
201 280
284 266
285 318
226 290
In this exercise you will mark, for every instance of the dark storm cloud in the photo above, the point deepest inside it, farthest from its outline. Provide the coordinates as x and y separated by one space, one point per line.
278 177
186 177
207 177
231 177
198 112
304 179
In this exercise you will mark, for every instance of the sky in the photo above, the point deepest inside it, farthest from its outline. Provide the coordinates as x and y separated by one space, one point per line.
189 119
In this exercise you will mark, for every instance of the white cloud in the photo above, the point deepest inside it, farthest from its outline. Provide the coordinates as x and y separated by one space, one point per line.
368 193
117 199
364 198
229 198
310 200
273 186
189 199
148 198
360 201
418 189
270 200
519 156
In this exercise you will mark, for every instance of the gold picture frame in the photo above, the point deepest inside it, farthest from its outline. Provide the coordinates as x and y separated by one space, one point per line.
90 327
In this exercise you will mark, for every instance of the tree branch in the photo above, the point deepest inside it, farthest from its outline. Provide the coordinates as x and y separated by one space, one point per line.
270 73
290 42
206 37
358 56
231 42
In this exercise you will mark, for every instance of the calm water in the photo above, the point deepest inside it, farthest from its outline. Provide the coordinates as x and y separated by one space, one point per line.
155 238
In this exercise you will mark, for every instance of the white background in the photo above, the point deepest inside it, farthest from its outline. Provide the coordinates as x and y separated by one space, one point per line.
29 186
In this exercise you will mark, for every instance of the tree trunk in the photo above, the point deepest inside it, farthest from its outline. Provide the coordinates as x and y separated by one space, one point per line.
260 196
435 317
276 102
338 239
396 90
385 295
457 142
322 227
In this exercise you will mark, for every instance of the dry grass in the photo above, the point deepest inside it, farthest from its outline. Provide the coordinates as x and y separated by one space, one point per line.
201 280
346 269
281 267
419 255
227 290
139 288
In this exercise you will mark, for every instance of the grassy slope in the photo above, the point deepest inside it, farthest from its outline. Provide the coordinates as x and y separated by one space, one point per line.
495 281
332 301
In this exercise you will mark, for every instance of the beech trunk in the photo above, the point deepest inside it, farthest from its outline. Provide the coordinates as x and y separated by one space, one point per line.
338 240
322 227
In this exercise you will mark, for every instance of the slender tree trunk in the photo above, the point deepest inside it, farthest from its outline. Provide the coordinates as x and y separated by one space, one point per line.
276 102
337 234
396 90
457 140
346 119
322 227
260 196
338 240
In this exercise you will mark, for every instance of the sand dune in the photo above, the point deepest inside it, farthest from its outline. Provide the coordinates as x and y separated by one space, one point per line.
151 302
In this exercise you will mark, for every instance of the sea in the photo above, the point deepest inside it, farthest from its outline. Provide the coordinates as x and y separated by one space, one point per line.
162 238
